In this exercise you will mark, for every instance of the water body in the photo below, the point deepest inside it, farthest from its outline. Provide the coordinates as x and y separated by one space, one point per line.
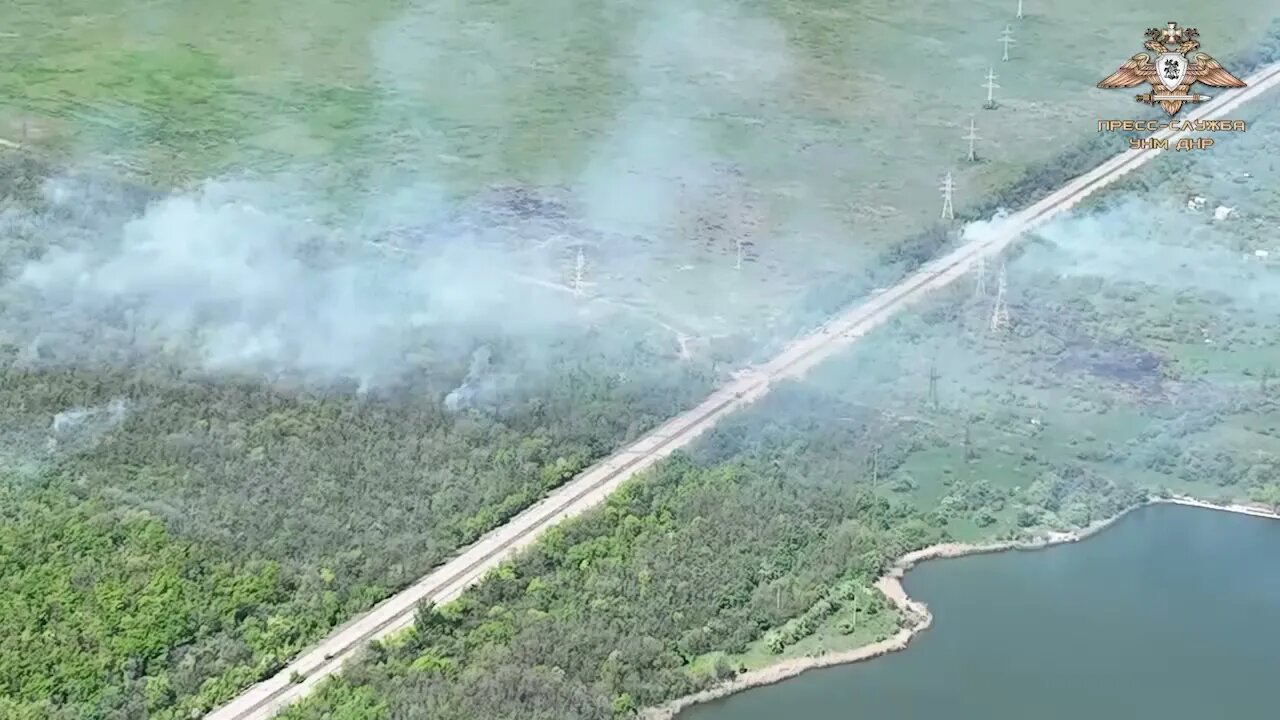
1172 613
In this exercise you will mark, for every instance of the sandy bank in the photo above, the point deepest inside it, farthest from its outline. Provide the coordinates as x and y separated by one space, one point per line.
916 614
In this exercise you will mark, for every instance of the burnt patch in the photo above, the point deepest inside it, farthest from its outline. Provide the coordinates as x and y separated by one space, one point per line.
523 203
1114 362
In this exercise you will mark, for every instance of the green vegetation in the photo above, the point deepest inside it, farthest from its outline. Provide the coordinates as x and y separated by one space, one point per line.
347 498
170 535
104 613
606 614
345 493
1136 364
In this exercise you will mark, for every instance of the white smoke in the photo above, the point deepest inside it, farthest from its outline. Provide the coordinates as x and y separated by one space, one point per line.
82 426
1160 244
270 276
208 276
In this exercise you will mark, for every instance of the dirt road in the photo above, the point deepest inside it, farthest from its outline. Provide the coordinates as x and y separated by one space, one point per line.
590 488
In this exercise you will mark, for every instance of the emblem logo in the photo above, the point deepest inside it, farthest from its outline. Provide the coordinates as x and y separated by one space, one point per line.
1172 73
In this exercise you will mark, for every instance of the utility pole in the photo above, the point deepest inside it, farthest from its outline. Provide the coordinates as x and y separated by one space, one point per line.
1019 9
980 288
1000 314
973 138
579 274
934 376
948 187
991 87
1006 37
579 267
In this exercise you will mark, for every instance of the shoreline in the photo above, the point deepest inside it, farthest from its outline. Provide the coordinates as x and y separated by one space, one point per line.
916 615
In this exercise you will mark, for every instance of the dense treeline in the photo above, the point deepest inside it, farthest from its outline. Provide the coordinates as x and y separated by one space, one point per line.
103 613
702 558
305 475
606 614
348 497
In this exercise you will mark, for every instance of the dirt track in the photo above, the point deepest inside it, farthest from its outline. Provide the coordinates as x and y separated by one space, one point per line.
591 487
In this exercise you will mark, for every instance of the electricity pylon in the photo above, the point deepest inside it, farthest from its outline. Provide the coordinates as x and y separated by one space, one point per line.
1006 37
973 138
991 87
1000 313
580 283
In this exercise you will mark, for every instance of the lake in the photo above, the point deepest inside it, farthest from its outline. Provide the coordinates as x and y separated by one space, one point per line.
1172 613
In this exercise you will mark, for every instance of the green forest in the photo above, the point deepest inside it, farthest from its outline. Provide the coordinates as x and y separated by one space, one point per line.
245 522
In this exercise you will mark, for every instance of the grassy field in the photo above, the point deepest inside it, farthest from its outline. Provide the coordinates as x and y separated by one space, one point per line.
814 134
1142 346
848 629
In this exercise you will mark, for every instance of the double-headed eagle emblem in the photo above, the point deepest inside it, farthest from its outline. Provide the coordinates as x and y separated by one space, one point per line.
1171 73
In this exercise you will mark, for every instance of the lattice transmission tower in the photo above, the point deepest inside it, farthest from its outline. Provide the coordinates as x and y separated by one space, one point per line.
1000 313
973 139
991 87
1006 37
948 188
580 283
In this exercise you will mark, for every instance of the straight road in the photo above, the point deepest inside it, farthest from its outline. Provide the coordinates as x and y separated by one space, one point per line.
595 484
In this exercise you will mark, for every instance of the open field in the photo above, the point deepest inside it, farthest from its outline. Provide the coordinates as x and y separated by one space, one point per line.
814 134
1081 409
190 496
